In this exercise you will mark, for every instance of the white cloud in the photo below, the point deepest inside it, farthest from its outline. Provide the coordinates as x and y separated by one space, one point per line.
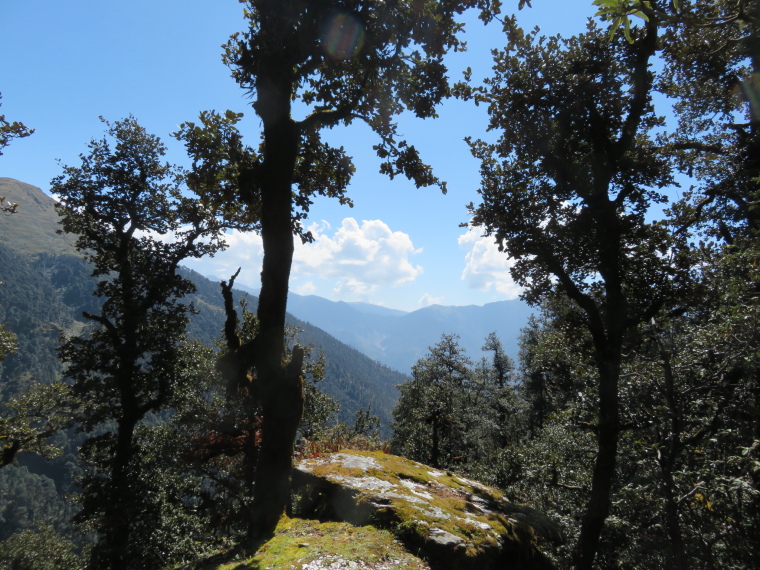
486 267
427 300
307 288
244 251
359 258
355 258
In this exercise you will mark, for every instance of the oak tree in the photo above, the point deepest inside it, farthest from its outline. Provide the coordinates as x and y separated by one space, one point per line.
566 190
310 65
134 225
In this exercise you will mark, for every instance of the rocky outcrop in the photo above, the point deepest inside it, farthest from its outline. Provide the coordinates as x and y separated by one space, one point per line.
450 521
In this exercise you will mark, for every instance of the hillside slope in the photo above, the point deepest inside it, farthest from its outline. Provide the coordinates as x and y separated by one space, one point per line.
46 286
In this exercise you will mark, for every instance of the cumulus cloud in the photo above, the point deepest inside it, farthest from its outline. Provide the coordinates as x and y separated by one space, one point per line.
354 258
426 300
307 288
359 258
486 268
245 252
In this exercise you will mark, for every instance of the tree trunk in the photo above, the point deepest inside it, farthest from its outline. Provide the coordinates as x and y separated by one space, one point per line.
280 387
111 551
435 452
667 465
281 410
598 507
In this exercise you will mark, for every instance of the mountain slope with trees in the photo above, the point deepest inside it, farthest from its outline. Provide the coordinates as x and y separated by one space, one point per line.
44 295
634 416
46 287
400 339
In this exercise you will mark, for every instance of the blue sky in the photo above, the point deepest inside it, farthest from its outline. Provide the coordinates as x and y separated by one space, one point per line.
63 64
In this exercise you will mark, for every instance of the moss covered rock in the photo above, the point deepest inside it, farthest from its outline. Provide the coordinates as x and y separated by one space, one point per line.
312 545
451 521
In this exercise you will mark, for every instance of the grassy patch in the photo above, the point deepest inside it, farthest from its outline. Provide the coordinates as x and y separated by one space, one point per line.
298 543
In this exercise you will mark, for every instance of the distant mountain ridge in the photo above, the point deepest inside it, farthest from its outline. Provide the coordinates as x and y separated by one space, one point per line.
399 338
363 339
47 285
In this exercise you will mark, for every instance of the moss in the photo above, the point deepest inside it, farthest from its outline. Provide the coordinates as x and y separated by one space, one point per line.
436 499
298 542
456 522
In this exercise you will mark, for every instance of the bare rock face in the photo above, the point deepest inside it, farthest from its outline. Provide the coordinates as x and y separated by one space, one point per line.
451 521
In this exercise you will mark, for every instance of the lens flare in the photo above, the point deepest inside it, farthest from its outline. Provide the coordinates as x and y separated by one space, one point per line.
343 36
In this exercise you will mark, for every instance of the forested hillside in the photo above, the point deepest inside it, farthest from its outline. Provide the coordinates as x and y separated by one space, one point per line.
620 177
47 286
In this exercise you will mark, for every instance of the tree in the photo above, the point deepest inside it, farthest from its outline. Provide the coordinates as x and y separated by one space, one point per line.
339 61
135 226
10 131
717 138
42 549
454 413
30 418
428 421
565 191
686 487
497 379
221 426
10 445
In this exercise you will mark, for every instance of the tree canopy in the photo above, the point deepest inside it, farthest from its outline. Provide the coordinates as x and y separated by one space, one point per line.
632 416
134 225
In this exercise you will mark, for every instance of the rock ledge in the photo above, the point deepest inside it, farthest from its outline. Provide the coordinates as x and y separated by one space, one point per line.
453 522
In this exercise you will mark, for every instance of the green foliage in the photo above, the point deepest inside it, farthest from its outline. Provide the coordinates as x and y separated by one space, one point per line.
29 499
454 414
123 203
716 140
577 120
7 346
395 64
34 416
226 173
555 191
686 487
565 192
363 435
619 12
198 464
7 342
33 309
39 549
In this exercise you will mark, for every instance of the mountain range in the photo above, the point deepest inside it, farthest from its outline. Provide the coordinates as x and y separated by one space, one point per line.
368 349
399 339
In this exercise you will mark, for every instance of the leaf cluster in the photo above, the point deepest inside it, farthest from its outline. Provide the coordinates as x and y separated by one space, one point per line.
10 131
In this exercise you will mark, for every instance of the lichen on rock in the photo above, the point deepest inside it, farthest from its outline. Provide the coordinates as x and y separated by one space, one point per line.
453 521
